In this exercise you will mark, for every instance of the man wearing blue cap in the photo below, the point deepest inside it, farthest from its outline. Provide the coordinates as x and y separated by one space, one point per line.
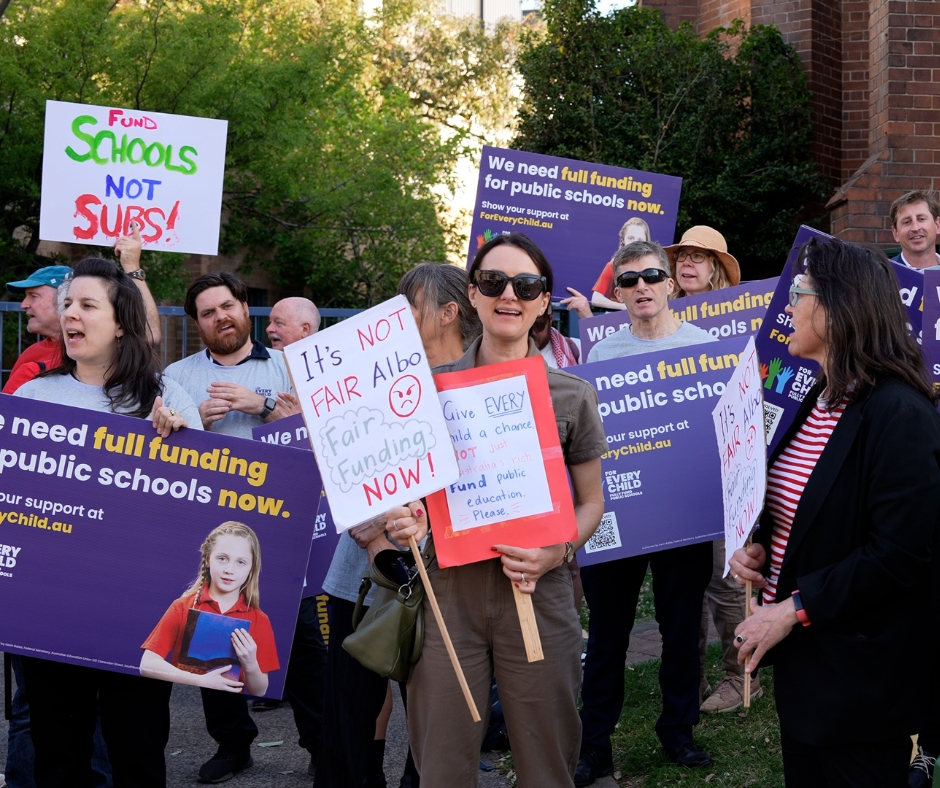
40 305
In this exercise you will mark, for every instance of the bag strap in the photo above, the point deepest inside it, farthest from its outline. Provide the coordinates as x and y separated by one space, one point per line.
364 587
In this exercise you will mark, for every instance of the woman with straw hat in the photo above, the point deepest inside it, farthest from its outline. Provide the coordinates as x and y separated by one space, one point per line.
700 262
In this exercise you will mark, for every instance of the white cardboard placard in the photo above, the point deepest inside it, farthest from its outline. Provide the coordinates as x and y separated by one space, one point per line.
372 412
104 167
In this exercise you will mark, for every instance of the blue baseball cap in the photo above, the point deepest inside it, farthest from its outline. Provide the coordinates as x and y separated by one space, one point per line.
51 275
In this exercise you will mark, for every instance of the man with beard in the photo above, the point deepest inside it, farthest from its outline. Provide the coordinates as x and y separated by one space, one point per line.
235 382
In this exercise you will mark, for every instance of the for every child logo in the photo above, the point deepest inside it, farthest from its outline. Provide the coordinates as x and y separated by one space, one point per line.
8 555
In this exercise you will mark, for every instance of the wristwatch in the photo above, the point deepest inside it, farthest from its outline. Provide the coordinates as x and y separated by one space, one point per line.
569 552
138 273
269 405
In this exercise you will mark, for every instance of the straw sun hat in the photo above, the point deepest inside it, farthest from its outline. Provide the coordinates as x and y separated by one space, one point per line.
711 240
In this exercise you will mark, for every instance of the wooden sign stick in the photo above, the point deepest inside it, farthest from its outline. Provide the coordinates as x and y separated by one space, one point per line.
419 561
748 590
530 629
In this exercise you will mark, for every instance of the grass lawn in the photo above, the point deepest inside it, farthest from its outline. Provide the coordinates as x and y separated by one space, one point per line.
745 745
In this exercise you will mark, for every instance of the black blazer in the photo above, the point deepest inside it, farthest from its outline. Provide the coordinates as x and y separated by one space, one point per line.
861 552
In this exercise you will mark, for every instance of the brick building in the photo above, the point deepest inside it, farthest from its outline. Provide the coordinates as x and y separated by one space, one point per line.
874 70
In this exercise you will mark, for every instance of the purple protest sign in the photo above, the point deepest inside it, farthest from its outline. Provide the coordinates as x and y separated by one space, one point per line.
293 432
931 326
731 312
572 209
787 379
101 523
662 472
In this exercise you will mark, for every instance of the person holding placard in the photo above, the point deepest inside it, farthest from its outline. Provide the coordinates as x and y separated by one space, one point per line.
701 263
846 553
353 741
510 285
680 574
107 366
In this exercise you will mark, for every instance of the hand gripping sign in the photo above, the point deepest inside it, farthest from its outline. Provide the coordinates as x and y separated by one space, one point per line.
513 485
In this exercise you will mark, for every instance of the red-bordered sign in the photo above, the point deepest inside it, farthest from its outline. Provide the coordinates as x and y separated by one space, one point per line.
492 444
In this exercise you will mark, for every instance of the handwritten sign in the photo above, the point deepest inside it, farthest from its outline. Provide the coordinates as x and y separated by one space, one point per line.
104 168
293 432
368 398
513 486
573 208
85 497
661 473
731 312
739 427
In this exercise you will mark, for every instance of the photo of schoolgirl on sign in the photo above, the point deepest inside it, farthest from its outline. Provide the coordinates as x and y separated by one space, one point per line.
110 535
106 167
369 402
513 486
573 209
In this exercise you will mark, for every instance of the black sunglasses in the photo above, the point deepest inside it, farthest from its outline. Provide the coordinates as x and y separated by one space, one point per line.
527 287
651 276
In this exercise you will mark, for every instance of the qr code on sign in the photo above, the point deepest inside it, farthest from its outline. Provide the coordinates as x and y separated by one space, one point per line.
772 414
607 535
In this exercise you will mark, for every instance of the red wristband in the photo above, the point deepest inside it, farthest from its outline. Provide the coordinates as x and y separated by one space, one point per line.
800 612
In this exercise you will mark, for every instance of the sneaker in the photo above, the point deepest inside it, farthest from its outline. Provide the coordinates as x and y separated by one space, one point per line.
729 694
3 781
224 766
921 771
593 763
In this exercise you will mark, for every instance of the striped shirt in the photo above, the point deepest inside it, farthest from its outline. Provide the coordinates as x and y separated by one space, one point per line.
786 480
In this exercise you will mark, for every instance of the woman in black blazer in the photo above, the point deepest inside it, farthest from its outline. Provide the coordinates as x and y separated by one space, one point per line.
847 592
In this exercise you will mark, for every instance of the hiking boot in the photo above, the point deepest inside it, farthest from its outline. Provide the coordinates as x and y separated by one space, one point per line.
224 766
921 771
729 694
593 763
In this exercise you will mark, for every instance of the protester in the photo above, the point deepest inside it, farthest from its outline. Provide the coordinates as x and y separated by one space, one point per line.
107 366
915 224
846 551
292 319
39 303
353 746
510 285
680 574
700 262
558 350
235 382
602 295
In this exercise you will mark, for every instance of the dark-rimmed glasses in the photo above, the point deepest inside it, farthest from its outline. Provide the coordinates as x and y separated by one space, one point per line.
651 276
695 257
527 287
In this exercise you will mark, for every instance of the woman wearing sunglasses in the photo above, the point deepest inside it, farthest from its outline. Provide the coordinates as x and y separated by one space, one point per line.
700 262
846 548
510 286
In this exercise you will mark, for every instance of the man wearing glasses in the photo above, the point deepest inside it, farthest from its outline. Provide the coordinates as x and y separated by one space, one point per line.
680 574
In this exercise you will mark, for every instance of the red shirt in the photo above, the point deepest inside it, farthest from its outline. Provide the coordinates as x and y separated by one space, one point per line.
605 282
35 359
166 640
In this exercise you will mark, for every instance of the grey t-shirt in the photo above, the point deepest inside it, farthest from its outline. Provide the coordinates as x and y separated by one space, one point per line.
265 376
623 343
68 391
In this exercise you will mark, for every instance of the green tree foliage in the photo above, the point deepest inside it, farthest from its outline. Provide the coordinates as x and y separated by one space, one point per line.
336 167
729 113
